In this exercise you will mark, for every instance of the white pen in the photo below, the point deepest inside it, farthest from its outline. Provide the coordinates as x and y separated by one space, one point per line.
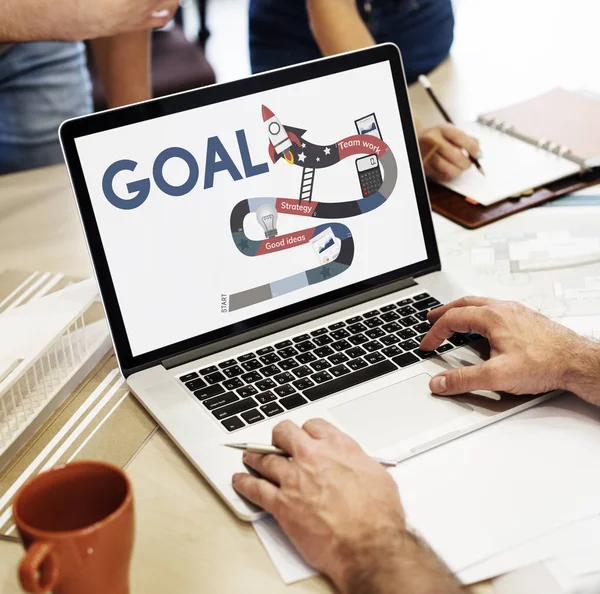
257 448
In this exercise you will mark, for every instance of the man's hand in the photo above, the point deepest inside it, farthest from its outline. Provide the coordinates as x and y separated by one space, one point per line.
449 160
342 511
529 354
74 20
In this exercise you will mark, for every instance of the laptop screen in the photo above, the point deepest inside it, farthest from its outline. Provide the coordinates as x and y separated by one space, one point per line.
215 215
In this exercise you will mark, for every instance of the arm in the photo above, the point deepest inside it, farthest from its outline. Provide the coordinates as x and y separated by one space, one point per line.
343 512
74 20
123 63
529 354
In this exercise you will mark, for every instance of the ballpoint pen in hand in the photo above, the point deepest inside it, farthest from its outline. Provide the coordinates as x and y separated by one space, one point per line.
257 448
427 86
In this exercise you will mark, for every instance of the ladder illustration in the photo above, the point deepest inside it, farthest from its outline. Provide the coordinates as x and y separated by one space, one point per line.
306 188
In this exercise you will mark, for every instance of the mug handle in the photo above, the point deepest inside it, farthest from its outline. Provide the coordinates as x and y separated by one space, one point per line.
35 578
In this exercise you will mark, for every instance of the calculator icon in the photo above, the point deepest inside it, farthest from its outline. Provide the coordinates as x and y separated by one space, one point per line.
369 174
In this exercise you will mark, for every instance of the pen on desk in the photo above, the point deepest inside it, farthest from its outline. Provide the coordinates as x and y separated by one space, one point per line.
427 86
257 448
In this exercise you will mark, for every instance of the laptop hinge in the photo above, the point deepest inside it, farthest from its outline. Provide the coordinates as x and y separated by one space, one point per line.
289 322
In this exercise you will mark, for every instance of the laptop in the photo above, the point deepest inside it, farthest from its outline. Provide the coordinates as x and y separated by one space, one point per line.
265 251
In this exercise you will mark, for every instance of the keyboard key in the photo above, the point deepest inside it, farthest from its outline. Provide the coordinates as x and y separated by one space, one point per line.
284 378
302 371
208 370
233 384
288 352
209 392
406 334
341 345
215 378
339 334
289 364
350 380
233 423
283 345
426 304
301 338
227 363
233 371
195 385
304 383
270 370
306 346
406 310
265 351
358 339
374 358
391 351
389 307
390 316
372 346
355 352
306 358
188 377
252 416
421 296
270 358
336 326
266 397
235 408
409 345
271 409
374 322
371 314
405 359
319 332
221 400
421 315
425 354
354 320
474 336
338 358
356 328
320 365
246 357
391 327
339 370
404 302
458 340
356 364
322 376
251 365
294 401
389 340
323 340
408 321
252 377
423 327
247 391
445 347
265 384
375 333
284 390
324 352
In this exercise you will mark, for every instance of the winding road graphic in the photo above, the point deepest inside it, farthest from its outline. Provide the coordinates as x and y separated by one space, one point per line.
289 144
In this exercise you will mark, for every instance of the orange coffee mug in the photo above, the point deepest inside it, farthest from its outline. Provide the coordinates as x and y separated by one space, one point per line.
76 522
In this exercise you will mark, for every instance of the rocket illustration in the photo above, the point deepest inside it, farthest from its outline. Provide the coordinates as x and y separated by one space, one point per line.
280 139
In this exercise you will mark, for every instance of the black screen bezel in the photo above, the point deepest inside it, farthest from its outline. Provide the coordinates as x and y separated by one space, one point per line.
84 126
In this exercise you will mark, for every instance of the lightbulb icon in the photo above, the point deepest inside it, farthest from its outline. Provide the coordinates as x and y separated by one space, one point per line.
267 219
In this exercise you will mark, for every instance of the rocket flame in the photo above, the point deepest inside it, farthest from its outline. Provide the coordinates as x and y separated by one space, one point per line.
289 157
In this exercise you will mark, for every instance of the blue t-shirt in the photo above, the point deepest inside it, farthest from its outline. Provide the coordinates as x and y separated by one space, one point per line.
280 34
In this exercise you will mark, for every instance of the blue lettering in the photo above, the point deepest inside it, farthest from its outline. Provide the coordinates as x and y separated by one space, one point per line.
141 187
249 169
214 149
159 178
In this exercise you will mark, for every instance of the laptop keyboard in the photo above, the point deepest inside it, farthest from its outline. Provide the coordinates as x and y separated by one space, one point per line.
286 375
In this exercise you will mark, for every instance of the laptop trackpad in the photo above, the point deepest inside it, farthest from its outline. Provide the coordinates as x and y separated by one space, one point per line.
397 412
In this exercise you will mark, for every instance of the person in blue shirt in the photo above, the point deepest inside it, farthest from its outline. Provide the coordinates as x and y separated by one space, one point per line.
286 32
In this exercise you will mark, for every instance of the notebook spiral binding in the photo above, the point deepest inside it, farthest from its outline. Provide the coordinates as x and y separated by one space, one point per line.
544 144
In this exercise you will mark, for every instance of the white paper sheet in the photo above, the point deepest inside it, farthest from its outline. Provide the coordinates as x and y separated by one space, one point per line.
494 489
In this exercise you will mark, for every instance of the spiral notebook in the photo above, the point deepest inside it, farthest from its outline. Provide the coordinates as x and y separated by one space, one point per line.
531 144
